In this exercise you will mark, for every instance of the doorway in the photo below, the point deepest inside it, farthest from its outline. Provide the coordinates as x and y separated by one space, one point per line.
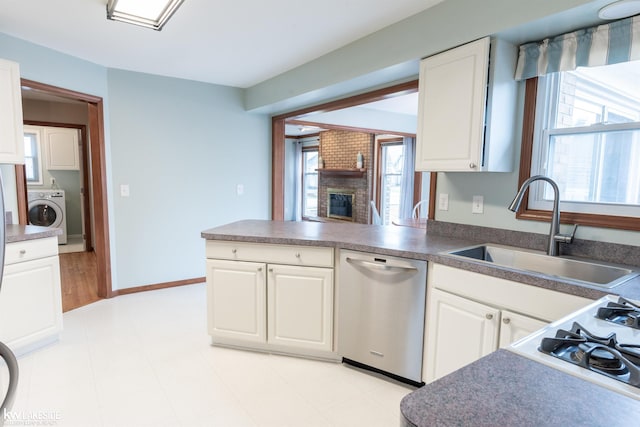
304 119
85 274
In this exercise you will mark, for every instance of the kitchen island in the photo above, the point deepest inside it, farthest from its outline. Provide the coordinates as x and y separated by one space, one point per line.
502 388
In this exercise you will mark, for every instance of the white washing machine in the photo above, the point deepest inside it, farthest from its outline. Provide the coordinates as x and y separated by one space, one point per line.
47 209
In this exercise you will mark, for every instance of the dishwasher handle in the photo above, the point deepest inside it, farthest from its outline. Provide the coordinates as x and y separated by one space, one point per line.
370 264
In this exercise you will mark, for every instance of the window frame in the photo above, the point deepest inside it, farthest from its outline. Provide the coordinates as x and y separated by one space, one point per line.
30 130
527 157
307 149
382 143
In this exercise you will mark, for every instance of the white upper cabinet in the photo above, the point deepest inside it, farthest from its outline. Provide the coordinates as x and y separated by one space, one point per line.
61 148
11 136
467 108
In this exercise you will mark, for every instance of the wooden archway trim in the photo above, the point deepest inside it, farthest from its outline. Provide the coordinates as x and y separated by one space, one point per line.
278 139
96 145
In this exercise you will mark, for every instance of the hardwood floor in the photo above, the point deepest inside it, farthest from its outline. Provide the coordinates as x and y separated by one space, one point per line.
78 276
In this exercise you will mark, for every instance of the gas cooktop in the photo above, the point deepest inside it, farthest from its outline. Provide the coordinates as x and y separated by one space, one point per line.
599 343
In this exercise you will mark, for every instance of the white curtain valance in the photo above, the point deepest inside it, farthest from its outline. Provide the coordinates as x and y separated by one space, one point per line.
606 44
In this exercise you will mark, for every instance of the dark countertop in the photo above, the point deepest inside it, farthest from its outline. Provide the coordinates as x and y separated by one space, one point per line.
404 242
20 233
506 389
502 388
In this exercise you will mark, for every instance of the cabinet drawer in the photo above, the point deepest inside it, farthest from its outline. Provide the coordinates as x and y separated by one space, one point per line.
30 249
269 253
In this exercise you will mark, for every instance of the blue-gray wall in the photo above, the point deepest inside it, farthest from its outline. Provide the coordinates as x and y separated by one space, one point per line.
182 146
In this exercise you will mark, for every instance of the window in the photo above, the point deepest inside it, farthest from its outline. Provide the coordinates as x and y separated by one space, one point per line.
32 161
309 182
586 137
391 163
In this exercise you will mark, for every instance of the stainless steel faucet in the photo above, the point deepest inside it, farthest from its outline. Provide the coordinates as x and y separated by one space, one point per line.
555 237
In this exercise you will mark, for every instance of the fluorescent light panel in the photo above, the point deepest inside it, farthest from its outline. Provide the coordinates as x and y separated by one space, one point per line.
148 13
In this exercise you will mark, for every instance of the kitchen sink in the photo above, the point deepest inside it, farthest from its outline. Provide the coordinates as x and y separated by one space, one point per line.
591 272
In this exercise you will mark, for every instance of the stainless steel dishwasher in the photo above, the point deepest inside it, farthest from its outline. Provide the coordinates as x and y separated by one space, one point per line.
381 306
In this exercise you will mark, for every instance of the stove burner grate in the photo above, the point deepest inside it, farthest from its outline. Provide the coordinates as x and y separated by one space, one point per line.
599 354
623 312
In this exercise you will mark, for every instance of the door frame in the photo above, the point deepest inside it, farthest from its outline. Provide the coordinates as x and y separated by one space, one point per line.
86 211
95 150
298 116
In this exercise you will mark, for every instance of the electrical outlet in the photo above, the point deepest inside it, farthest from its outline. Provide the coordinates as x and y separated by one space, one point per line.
478 205
443 202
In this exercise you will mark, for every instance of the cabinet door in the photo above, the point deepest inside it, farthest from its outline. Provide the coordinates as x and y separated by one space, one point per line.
451 109
61 148
236 300
11 136
30 304
515 326
300 307
460 331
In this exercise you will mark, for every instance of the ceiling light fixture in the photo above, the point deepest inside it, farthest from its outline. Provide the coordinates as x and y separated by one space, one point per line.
620 9
149 13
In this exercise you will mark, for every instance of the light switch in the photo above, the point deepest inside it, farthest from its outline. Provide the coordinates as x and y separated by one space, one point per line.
239 189
443 202
124 190
478 205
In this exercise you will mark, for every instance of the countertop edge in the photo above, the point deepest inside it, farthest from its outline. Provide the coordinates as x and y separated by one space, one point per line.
19 233
419 245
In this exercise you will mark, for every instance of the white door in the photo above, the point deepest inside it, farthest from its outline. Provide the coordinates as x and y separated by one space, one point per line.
451 109
460 332
300 306
236 300
515 326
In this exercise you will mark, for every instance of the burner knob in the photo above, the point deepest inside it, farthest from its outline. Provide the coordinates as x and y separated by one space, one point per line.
489 316
506 320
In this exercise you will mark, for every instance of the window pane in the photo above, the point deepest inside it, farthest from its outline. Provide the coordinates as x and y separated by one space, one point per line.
590 95
310 183
32 172
391 176
598 167
588 140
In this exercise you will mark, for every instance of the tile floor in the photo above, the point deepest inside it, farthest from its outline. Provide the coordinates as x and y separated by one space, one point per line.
145 360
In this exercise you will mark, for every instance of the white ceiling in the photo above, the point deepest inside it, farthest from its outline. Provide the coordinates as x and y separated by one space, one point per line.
227 42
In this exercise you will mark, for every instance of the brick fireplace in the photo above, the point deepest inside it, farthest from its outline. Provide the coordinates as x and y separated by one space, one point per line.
339 150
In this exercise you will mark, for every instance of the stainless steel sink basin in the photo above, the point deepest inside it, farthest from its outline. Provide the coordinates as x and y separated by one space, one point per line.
590 272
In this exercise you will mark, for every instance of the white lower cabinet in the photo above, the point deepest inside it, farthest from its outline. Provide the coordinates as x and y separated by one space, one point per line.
271 306
300 307
461 331
514 326
470 315
30 299
237 300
